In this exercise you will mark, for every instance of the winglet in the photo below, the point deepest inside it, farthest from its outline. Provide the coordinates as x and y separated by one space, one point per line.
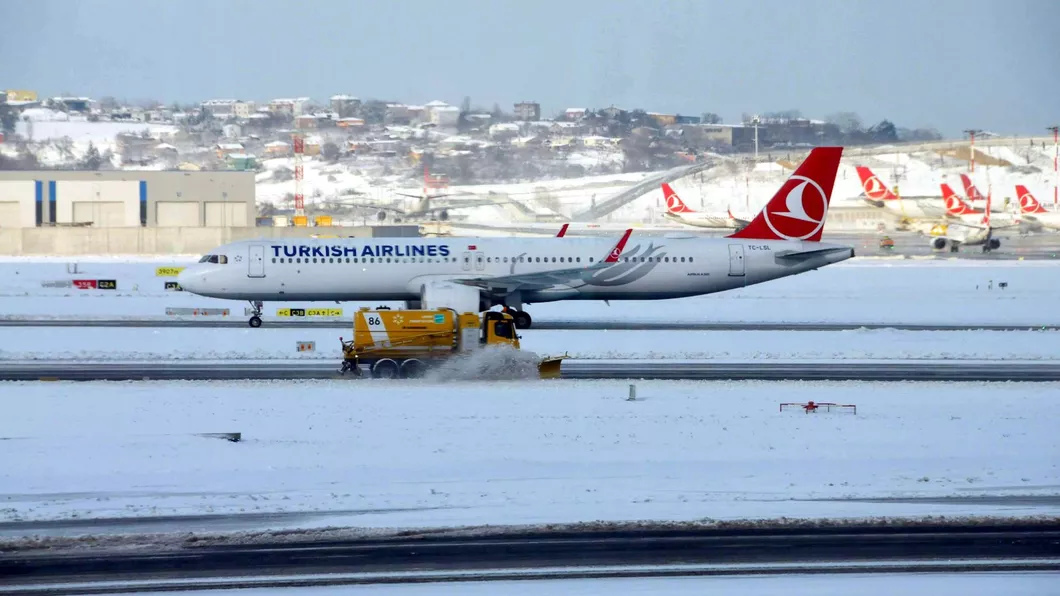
563 230
616 252
798 210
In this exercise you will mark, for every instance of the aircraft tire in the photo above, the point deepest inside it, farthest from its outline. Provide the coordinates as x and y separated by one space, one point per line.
255 321
522 319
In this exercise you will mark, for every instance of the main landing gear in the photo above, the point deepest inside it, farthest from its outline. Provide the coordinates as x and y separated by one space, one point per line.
522 318
255 312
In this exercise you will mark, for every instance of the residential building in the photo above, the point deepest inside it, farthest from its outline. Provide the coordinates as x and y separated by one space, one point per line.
228 108
445 116
528 110
345 106
290 106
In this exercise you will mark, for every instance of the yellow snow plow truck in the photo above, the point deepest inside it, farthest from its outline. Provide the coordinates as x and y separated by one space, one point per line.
405 343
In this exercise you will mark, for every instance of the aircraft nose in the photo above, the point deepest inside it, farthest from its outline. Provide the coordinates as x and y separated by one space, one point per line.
190 280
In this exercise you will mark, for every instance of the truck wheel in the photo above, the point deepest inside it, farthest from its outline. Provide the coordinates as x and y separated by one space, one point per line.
413 368
385 369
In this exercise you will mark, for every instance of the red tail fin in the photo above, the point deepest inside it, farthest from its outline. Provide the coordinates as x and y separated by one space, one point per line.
970 190
954 204
874 188
986 213
1028 204
563 230
674 204
799 209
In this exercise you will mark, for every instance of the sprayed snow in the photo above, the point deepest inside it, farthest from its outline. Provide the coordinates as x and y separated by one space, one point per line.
493 363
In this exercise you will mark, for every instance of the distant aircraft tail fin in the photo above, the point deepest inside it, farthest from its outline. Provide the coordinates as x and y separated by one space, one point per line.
970 190
563 230
873 187
1028 204
674 204
799 209
954 205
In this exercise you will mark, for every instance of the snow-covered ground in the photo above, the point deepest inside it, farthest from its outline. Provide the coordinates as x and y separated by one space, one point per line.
131 343
858 291
966 584
376 454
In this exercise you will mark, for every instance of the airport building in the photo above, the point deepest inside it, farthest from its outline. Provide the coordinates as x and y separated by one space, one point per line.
126 199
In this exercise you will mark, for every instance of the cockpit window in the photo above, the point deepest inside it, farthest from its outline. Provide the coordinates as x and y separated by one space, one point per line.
219 259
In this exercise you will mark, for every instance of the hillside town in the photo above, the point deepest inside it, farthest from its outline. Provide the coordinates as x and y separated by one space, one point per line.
466 143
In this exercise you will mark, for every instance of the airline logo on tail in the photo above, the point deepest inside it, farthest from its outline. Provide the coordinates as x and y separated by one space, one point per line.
1028 204
970 190
954 204
798 210
674 204
874 188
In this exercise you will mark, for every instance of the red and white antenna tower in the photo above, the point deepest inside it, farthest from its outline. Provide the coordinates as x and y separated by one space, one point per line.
299 198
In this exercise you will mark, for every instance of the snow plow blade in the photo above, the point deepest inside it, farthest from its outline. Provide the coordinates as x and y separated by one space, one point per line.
549 367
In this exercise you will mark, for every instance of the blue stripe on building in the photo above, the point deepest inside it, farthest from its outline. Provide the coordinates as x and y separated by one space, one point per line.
143 202
38 192
51 201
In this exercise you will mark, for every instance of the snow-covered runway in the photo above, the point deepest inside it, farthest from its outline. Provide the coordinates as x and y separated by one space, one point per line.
460 453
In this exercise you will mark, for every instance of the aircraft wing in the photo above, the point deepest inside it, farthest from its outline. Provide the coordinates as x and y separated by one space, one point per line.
545 279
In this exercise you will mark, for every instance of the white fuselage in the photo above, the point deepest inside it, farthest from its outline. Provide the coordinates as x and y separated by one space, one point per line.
1041 221
398 268
703 220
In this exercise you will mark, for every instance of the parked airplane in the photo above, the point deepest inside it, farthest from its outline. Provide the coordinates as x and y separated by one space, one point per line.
473 274
955 207
974 195
910 208
967 227
1033 214
679 212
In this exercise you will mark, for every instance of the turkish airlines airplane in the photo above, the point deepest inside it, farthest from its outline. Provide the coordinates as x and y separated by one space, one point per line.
474 274
913 208
1034 214
967 226
679 212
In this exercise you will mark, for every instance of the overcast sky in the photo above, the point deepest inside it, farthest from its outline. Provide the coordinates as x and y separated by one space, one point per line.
952 64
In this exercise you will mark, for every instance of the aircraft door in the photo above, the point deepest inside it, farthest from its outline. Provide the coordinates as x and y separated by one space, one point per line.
467 261
480 262
736 264
256 261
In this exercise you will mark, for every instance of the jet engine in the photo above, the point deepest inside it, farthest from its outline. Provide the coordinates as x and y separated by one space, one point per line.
942 243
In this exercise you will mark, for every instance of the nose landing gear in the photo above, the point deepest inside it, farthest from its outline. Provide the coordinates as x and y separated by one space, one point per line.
255 311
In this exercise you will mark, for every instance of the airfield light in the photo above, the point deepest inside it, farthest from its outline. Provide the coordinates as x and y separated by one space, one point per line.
1056 162
971 134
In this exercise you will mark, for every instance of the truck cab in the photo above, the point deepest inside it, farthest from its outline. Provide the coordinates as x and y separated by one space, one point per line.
498 328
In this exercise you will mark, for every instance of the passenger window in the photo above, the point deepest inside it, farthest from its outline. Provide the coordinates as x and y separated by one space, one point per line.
689 259
553 259
682 259
274 259
579 259
591 259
